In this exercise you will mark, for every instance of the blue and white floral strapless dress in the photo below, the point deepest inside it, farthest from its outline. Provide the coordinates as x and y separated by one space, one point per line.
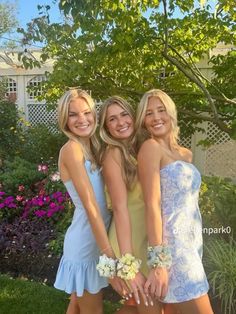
182 230
77 269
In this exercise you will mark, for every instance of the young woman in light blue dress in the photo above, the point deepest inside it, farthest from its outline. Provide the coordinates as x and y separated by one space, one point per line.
170 184
86 237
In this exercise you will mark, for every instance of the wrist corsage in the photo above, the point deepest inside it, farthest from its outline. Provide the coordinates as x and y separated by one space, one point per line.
106 266
159 256
128 266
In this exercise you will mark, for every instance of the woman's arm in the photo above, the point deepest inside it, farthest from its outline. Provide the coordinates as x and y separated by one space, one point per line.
112 172
149 159
72 160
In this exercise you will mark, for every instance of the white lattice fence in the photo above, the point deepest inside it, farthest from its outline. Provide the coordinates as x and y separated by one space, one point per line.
220 157
38 114
186 142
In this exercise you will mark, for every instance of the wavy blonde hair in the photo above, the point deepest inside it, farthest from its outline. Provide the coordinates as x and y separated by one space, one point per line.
169 104
126 148
63 115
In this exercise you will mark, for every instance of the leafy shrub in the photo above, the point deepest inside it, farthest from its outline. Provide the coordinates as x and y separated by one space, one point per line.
217 203
25 236
220 261
9 130
19 172
41 144
56 245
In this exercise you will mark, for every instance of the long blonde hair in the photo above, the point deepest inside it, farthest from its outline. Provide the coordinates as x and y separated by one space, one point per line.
63 114
126 148
169 104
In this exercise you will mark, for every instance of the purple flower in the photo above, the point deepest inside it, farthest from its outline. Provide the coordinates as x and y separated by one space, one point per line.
9 199
40 213
11 205
60 199
52 205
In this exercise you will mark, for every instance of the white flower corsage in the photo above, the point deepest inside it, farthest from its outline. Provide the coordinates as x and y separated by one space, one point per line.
159 256
128 266
106 266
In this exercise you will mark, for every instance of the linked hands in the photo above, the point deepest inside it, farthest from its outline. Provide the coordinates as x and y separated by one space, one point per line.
149 289
121 287
157 283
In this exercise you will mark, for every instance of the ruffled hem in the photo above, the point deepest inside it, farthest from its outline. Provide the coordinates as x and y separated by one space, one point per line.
79 276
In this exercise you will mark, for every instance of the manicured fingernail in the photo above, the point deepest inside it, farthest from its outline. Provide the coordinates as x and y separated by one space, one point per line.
138 301
130 295
146 303
151 303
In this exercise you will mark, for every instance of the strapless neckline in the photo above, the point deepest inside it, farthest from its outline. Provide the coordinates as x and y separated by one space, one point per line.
175 162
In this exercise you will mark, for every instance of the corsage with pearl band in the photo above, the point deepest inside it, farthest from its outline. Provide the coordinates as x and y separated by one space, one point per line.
159 256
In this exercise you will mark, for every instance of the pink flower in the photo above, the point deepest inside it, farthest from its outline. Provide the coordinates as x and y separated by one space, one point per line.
19 198
41 192
43 168
21 188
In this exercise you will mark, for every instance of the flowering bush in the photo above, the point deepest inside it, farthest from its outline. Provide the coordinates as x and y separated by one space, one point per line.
47 197
45 202
45 205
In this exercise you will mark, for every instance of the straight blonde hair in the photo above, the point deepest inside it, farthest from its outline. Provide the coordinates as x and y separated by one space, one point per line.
127 150
169 104
63 115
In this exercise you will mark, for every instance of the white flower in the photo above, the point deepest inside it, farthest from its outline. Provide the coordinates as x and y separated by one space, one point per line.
106 266
55 176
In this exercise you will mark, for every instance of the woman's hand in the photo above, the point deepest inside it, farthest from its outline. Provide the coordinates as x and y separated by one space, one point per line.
137 288
157 283
121 287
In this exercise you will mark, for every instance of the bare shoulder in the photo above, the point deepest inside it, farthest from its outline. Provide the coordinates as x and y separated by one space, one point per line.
149 145
186 153
72 149
112 154
150 148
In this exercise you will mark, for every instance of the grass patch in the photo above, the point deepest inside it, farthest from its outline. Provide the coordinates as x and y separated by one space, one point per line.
19 296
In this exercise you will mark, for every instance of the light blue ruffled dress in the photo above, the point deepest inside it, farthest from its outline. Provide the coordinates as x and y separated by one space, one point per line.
182 230
77 269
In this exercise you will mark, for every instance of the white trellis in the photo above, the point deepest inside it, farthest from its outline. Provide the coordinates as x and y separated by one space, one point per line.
35 82
220 158
37 112
11 86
